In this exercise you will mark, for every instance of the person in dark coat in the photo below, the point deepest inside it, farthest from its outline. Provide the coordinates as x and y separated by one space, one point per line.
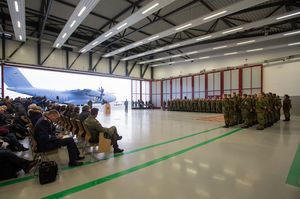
34 113
48 139
10 164
287 105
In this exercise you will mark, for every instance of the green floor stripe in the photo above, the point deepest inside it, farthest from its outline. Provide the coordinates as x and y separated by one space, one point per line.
18 180
26 178
132 169
294 174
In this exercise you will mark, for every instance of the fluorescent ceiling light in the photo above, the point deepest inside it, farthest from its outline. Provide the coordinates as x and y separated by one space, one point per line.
57 45
134 18
121 26
152 38
204 57
245 42
234 43
72 24
293 44
94 43
122 49
160 49
17 16
219 47
173 46
214 15
81 11
233 53
291 33
150 8
189 60
253 50
202 38
193 52
108 34
240 5
16 6
286 16
64 35
83 50
233 30
139 43
184 26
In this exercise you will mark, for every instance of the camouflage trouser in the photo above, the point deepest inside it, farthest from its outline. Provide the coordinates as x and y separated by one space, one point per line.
239 117
260 119
287 114
112 134
227 118
246 117
277 115
234 117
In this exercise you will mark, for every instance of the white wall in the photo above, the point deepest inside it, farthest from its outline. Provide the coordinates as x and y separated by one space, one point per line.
27 54
282 78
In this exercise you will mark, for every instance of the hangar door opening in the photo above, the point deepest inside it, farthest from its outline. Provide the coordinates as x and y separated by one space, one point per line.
64 87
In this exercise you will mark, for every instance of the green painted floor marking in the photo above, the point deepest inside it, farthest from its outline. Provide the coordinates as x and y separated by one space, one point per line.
293 177
132 169
15 181
26 178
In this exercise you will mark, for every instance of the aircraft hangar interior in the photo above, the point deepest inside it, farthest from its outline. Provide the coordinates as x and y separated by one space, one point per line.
167 99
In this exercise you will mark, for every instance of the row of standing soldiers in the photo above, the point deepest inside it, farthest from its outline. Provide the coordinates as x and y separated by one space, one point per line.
249 110
213 105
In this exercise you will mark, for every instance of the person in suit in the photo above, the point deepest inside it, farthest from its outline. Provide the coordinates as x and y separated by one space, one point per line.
95 128
48 139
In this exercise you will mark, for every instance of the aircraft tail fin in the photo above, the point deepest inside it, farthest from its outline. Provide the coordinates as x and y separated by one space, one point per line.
14 78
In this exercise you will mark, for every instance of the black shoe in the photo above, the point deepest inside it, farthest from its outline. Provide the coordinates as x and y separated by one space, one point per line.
119 137
226 126
258 128
118 150
30 165
75 164
80 158
245 127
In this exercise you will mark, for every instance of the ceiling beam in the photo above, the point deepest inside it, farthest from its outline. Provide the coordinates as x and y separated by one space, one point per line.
48 8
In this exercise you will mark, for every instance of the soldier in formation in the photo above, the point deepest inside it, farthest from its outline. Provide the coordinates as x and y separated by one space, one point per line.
212 105
250 110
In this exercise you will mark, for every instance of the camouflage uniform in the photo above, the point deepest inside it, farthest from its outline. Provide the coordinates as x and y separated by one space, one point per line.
261 108
226 110
246 109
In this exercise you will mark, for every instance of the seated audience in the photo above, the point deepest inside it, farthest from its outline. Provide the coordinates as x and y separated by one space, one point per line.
95 128
48 138
85 113
34 113
10 165
75 114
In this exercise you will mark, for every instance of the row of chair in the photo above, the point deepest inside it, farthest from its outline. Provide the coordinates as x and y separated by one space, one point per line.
78 129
